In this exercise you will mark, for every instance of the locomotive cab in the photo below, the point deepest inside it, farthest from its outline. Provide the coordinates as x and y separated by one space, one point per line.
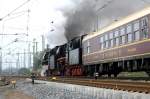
75 67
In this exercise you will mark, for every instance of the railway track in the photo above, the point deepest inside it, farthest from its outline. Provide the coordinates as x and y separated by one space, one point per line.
135 85
125 85
116 85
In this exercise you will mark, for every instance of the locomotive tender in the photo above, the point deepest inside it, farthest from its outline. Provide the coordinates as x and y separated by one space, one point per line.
66 60
122 46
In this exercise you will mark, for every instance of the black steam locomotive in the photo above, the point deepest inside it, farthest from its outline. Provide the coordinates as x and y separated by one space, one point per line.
66 59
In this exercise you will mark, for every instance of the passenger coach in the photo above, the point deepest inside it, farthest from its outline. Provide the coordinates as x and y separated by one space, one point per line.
122 46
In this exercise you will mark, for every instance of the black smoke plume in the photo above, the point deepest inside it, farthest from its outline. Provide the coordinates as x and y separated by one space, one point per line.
85 16
80 20
83 19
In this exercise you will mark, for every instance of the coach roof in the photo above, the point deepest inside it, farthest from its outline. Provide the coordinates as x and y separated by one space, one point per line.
121 22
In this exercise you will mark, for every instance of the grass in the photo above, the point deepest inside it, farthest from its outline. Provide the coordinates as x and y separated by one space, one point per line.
1 83
133 74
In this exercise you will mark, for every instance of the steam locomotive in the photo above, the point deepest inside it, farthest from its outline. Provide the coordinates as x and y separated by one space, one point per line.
122 46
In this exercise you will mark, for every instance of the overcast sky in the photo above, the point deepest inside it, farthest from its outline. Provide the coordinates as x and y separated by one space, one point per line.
42 13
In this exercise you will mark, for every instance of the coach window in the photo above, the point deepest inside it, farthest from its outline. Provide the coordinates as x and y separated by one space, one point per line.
122 35
129 33
88 47
101 42
136 28
116 38
106 37
144 27
111 39
106 42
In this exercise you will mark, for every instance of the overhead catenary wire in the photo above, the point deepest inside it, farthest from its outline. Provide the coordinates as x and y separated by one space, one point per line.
15 34
12 15
14 10
100 9
105 5
145 1
7 20
9 43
